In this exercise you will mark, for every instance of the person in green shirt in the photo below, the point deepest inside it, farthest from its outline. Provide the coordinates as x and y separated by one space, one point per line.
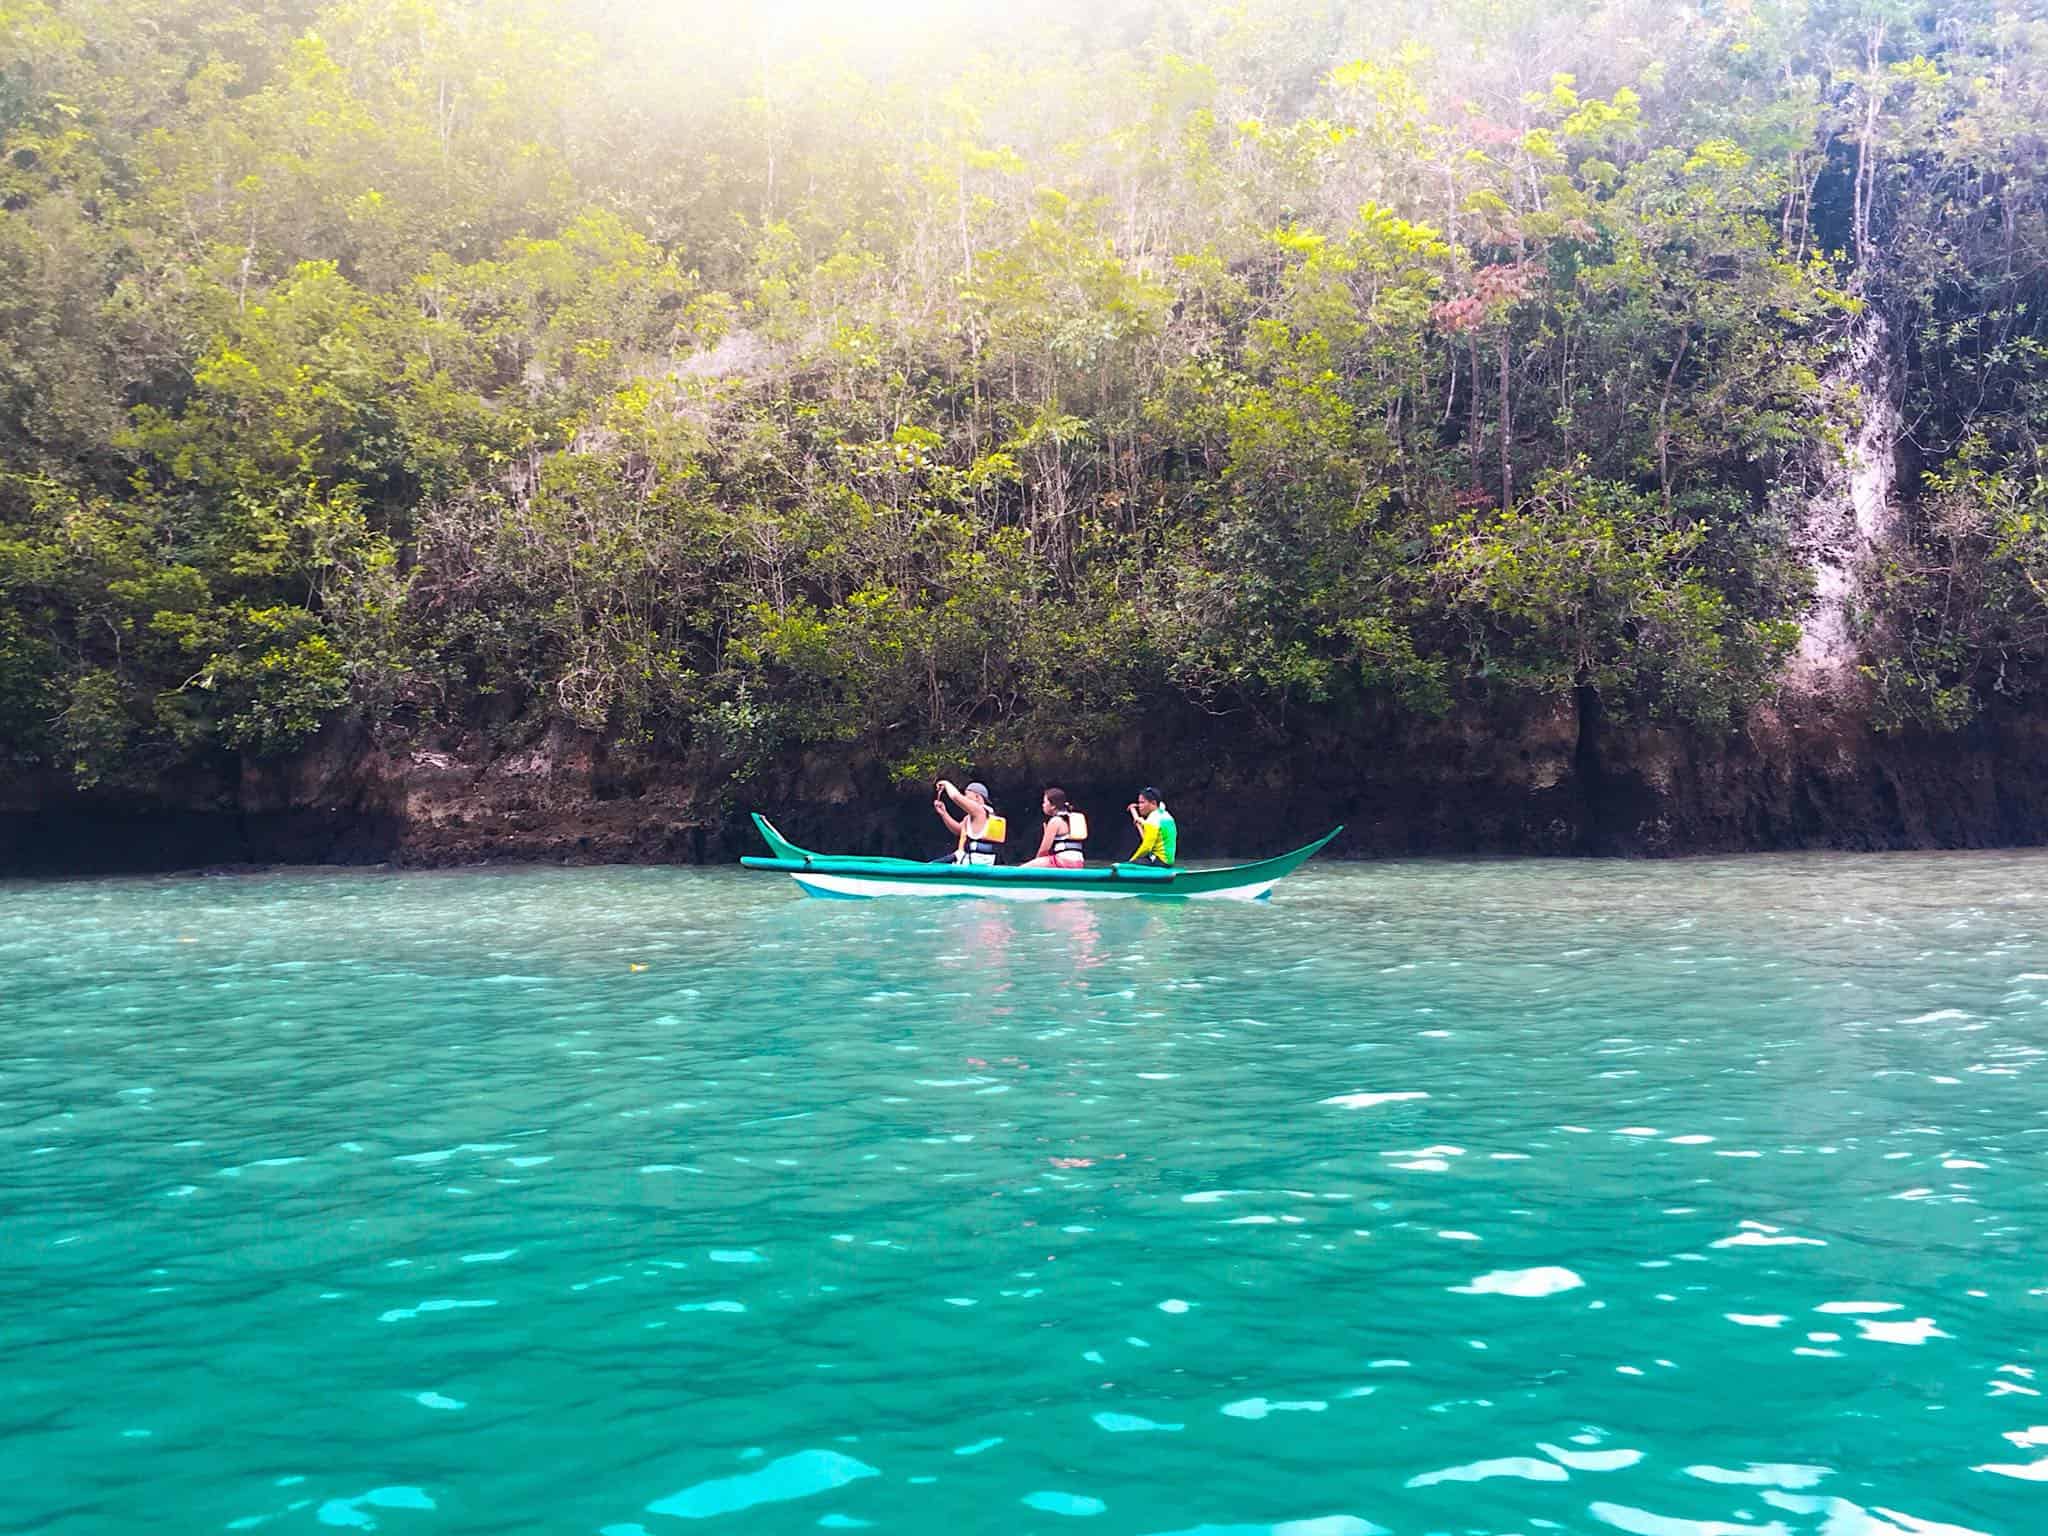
1158 837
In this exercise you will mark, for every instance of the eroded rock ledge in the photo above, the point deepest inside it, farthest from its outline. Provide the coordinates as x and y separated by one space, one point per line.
1555 780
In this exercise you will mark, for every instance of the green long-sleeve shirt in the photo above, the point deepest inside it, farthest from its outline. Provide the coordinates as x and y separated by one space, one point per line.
1158 837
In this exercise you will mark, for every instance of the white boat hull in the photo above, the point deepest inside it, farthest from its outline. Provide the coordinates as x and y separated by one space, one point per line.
860 887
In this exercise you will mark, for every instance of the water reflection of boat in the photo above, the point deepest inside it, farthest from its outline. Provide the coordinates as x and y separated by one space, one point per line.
1079 927
827 874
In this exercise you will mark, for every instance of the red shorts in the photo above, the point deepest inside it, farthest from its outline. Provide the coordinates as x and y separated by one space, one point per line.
1066 860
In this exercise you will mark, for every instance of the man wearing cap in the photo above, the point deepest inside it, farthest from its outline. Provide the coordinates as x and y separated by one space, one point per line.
979 830
1158 837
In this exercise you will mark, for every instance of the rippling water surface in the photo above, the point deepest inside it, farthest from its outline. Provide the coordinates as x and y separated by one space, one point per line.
1682 1199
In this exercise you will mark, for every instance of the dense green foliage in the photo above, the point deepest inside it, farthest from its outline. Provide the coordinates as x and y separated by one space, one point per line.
939 386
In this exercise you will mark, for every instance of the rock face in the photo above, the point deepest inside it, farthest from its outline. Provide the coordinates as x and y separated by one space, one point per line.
1848 515
1556 779
1807 777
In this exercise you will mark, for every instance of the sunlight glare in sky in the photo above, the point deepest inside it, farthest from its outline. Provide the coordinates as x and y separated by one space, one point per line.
876 22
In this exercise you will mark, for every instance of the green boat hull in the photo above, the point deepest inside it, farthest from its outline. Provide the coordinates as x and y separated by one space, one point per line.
847 877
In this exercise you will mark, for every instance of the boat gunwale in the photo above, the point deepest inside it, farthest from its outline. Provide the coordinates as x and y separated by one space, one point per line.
1152 879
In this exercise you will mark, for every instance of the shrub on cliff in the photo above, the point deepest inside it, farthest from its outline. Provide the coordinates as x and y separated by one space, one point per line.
730 392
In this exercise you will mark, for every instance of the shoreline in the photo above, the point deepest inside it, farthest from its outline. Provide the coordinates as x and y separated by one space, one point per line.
516 866
1544 781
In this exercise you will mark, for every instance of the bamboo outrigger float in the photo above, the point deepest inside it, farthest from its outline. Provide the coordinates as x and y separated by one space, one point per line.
845 876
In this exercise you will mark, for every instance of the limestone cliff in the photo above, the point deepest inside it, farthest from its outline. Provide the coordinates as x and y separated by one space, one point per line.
1554 779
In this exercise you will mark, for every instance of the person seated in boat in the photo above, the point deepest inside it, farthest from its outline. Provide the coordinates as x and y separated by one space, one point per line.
978 830
1066 829
1158 837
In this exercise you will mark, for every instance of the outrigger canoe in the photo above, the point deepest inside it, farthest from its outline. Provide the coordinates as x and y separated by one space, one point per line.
845 876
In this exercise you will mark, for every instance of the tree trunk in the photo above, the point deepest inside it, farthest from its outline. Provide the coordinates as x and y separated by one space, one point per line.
1507 430
1866 171
1663 415
1472 427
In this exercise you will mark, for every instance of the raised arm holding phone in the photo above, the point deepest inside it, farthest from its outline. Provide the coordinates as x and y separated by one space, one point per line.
979 831
1158 837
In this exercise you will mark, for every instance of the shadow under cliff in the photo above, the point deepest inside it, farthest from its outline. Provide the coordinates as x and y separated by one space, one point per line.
1557 777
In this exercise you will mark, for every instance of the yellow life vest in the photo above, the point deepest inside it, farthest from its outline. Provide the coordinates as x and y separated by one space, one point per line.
1077 833
984 847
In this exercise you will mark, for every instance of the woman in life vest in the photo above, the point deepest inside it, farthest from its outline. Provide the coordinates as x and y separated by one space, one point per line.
1066 829
978 829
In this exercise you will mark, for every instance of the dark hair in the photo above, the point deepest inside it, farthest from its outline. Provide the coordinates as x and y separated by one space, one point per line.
1058 797
1152 794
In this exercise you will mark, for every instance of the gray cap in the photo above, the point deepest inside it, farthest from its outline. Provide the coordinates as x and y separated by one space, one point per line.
978 789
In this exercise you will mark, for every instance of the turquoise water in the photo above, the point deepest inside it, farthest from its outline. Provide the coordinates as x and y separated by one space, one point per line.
1682 1199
